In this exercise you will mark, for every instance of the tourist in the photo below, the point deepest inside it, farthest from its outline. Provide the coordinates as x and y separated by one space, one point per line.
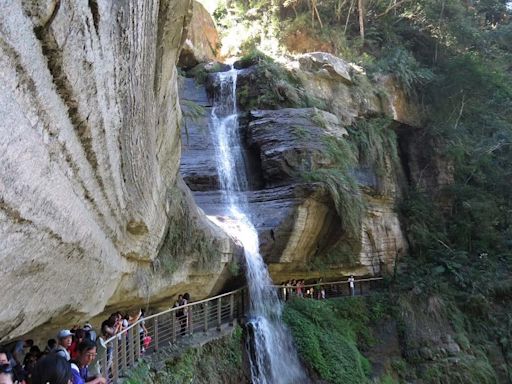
80 366
89 332
6 374
77 339
184 322
351 281
50 345
28 364
180 314
16 370
18 351
51 369
103 352
64 340
143 332
300 288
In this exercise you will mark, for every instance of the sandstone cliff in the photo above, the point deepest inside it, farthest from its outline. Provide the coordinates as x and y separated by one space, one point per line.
89 205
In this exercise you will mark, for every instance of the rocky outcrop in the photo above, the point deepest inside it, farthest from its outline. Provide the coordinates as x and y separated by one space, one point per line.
89 157
296 218
291 142
202 41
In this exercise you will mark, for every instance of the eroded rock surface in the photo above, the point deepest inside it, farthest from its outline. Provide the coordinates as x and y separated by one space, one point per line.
89 153
296 218
202 41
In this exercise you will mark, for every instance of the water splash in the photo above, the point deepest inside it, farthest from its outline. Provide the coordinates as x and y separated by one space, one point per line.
272 354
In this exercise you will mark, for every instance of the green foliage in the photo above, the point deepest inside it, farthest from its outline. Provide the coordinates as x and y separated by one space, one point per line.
468 369
401 63
140 374
272 86
341 184
329 334
178 245
191 111
217 362
376 144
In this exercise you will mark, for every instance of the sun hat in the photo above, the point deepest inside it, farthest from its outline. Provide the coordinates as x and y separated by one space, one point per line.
64 333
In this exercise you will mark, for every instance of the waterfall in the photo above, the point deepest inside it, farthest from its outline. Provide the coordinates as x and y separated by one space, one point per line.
272 355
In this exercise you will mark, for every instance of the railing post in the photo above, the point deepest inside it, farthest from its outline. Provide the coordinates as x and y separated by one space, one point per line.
155 333
115 360
219 312
104 363
131 349
205 313
173 326
231 309
189 318
124 359
137 342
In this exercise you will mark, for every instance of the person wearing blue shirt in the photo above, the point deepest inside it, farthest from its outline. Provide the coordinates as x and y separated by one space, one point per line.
80 366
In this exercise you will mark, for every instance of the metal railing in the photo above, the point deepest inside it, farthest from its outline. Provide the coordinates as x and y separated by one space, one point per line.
362 287
166 328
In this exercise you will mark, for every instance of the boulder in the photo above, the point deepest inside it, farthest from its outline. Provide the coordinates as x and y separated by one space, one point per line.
202 39
326 65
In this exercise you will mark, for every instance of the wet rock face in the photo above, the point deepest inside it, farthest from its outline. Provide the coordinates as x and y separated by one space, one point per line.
89 150
296 219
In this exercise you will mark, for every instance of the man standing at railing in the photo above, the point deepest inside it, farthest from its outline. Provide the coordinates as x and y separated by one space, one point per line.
351 281
80 366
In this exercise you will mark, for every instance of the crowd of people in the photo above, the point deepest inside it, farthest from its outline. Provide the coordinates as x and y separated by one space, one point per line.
73 357
298 288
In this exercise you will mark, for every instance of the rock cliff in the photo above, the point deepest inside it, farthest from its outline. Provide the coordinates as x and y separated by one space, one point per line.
293 210
91 206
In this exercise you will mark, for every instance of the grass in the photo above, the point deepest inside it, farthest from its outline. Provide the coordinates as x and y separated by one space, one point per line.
217 362
330 335
341 184
376 144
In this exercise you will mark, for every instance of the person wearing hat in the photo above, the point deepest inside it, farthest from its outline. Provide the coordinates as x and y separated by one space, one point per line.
89 332
64 340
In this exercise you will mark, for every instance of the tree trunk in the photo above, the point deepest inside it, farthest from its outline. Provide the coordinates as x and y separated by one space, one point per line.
360 6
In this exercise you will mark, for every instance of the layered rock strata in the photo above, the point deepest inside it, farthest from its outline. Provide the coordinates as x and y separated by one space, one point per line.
296 219
89 154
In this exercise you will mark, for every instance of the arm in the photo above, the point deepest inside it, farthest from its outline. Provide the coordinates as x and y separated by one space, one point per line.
97 380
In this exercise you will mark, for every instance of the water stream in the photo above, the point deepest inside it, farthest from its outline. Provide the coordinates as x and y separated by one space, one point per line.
272 355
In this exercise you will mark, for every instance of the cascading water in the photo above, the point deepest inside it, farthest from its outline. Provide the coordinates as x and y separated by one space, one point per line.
272 355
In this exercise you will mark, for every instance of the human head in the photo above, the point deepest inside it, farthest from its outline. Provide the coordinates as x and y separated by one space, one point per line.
52 343
52 369
80 334
87 327
86 352
65 338
28 343
4 357
186 296
35 350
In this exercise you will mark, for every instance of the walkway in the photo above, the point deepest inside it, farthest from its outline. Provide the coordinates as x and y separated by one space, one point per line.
202 322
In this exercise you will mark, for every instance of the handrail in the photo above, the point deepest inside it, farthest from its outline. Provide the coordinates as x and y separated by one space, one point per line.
172 309
329 283
125 348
